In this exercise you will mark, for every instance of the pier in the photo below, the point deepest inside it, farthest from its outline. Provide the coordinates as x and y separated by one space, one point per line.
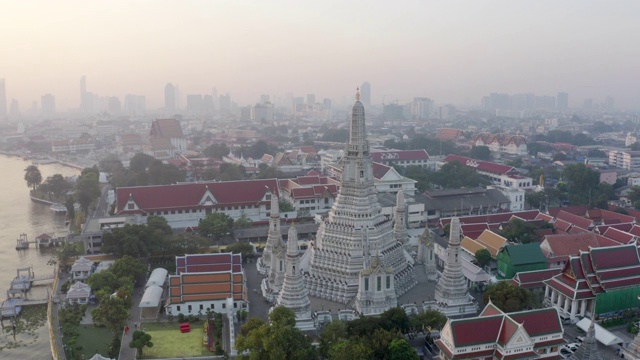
22 243
17 293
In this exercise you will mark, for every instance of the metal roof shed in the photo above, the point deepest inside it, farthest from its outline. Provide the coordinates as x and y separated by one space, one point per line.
157 277
603 335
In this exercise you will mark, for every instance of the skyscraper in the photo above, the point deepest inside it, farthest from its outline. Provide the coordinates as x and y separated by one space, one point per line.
169 97
355 233
48 103
311 99
562 101
3 99
83 89
365 91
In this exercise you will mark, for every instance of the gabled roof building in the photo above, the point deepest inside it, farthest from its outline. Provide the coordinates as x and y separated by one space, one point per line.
608 276
494 334
206 281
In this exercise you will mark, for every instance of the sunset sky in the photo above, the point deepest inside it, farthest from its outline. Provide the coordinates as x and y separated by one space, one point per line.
451 51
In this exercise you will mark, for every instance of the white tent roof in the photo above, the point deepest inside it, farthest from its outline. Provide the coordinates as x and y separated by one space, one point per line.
602 335
79 290
157 277
151 297
100 357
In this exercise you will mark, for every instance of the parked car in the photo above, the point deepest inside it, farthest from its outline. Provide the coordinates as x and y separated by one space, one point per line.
571 347
580 338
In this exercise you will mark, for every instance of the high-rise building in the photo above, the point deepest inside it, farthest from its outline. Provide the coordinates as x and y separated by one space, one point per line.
311 99
135 105
48 103
3 99
225 104
421 108
83 90
355 239
14 109
114 106
562 101
195 103
169 97
365 91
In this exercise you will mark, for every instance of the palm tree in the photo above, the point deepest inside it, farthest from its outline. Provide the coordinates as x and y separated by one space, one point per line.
32 176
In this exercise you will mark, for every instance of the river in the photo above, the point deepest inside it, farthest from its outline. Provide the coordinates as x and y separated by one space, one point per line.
18 214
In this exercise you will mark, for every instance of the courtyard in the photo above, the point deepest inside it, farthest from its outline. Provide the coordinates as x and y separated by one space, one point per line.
169 342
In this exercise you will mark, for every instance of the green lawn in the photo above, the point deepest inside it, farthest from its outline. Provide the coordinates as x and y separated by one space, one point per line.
168 341
93 339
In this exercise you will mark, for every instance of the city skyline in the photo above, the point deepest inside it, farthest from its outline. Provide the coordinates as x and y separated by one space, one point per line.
454 52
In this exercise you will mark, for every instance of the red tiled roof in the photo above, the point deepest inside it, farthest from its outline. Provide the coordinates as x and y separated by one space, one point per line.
482 165
534 279
626 227
509 328
580 210
615 256
538 322
619 235
221 262
635 230
380 170
562 225
608 216
575 219
492 218
464 331
180 196
400 155
449 134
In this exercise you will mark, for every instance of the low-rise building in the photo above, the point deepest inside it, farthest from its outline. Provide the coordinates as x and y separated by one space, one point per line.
499 174
82 269
513 259
205 282
602 280
494 334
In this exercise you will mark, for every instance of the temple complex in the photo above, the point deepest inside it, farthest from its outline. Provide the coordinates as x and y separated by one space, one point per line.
399 227
293 294
452 294
354 228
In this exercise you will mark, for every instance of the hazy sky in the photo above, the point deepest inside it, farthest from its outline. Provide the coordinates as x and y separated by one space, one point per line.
451 51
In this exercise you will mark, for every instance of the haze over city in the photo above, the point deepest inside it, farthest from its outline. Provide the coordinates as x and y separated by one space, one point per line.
453 52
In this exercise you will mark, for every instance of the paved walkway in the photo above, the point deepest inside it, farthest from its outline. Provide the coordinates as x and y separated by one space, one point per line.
127 353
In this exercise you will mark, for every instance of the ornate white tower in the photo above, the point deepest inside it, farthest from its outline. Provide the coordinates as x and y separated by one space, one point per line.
277 269
427 255
293 294
399 227
273 236
451 291
336 257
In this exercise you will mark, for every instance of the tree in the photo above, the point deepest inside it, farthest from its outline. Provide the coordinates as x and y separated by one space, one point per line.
480 153
112 313
582 183
507 296
139 340
269 172
285 206
127 266
88 189
429 319
57 184
215 225
279 339
110 164
216 151
454 175
399 349
483 257
32 176
519 231
159 173
243 248
351 349
132 240
104 280
140 162
332 334
242 222
64 253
